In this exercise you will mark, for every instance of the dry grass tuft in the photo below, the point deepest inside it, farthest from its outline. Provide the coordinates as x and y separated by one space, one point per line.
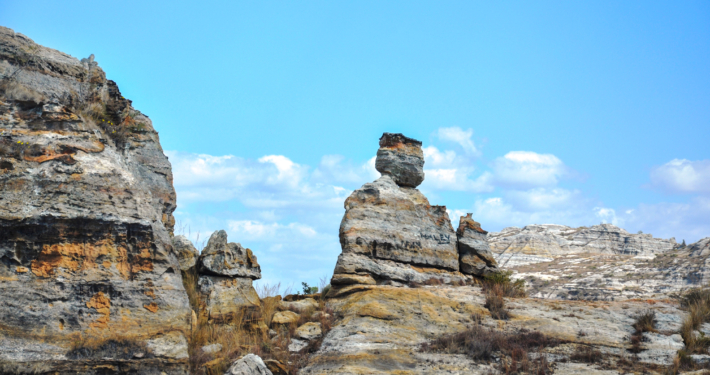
586 354
645 322
496 304
522 350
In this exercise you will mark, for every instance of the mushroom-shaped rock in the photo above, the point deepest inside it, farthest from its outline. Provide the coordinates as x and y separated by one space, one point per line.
402 158
285 317
309 331
185 251
250 364
475 256
228 259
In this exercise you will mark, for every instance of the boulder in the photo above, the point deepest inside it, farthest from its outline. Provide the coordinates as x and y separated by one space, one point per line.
401 158
309 331
475 256
302 305
250 364
228 259
185 251
297 345
285 317
86 215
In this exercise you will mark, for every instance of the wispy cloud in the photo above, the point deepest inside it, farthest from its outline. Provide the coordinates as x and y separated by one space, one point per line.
682 176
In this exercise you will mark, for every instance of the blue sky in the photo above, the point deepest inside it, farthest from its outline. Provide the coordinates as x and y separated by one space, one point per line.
530 112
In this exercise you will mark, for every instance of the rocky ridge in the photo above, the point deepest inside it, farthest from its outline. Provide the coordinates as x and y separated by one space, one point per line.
602 262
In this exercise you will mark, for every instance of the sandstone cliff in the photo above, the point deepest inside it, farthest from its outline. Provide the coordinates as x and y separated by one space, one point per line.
88 273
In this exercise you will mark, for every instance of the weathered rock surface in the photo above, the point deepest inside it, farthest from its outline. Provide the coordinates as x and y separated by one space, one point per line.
186 252
226 272
540 243
86 218
475 256
302 305
285 317
250 364
309 331
228 259
401 158
382 328
603 262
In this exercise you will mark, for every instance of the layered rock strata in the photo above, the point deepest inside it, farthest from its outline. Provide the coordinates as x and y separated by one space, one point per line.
225 282
390 233
475 256
539 243
85 219
602 262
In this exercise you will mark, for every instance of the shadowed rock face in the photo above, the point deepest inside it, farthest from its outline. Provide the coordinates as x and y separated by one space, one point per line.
401 158
475 256
86 202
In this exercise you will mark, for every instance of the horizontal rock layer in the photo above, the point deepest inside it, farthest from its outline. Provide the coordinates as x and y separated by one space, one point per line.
85 218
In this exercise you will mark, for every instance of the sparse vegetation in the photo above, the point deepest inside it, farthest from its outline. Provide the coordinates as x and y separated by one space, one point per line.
496 304
481 343
507 286
645 322
247 333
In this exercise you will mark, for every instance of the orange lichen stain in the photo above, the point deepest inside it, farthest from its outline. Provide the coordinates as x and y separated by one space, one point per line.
61 325
102 304
143 262
81 257
21 269
76 176
149 293
152 307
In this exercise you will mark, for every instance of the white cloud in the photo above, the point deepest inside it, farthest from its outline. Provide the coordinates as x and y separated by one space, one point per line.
683 176
448 171
608 215
259 231
459 136
526 169
544 199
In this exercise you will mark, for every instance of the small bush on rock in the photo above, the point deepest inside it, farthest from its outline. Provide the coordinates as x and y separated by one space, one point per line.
507 286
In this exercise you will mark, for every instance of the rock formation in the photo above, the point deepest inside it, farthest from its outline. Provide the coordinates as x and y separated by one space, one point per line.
225 281
390 233
475 256
602 262
186 252
85 218
539 243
